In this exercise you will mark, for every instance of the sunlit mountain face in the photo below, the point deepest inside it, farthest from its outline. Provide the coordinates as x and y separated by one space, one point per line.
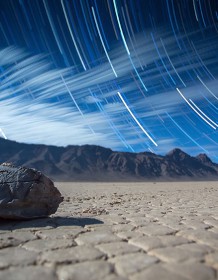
131 75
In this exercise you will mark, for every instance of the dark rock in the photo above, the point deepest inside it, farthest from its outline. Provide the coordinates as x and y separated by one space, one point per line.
26 193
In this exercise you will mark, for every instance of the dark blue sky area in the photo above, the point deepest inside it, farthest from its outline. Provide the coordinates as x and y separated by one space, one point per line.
132 75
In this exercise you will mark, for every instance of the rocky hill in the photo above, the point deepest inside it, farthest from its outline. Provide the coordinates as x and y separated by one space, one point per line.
95 163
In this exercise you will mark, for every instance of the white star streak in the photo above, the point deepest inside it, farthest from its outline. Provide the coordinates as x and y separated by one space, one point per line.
71 34
207 87
172 63
135 119
120 27
112 19
137 73
203 113
196 15
3 134
186 133
102 42
52 27
65 84
195 109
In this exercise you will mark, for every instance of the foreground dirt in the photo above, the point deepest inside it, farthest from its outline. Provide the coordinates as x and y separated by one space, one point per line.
118 231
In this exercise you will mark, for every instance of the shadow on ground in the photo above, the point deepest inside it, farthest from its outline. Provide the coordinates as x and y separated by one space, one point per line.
54 222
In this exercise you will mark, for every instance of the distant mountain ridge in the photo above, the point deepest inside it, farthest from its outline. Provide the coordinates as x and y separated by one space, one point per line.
95 163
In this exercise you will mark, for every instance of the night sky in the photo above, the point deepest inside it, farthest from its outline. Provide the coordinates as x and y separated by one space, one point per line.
131 75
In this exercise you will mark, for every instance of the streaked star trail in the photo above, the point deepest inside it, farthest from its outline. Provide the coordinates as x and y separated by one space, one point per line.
131 75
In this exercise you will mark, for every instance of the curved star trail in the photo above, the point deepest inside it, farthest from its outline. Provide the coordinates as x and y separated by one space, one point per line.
132 75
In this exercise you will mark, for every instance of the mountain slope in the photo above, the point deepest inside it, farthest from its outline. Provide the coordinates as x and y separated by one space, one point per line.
95 163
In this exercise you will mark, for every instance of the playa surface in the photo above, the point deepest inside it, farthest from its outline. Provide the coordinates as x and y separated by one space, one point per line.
117 231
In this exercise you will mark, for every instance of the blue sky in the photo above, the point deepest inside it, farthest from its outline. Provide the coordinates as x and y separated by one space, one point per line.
129 75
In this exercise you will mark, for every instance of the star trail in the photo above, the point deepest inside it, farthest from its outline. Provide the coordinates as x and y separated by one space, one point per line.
131 75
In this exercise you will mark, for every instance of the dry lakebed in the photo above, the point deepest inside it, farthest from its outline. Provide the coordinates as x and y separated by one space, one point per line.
118 231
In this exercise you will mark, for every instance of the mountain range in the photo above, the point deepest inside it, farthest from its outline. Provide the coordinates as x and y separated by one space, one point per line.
95 163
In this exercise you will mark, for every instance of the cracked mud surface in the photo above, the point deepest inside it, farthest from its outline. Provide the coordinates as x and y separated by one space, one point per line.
116 231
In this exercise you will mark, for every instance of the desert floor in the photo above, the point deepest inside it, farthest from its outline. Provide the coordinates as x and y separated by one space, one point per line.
115 231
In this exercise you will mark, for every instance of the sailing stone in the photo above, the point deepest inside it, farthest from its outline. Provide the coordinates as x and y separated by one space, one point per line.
26 193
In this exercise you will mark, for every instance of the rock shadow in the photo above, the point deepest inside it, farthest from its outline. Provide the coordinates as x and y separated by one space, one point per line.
77 221
47 223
